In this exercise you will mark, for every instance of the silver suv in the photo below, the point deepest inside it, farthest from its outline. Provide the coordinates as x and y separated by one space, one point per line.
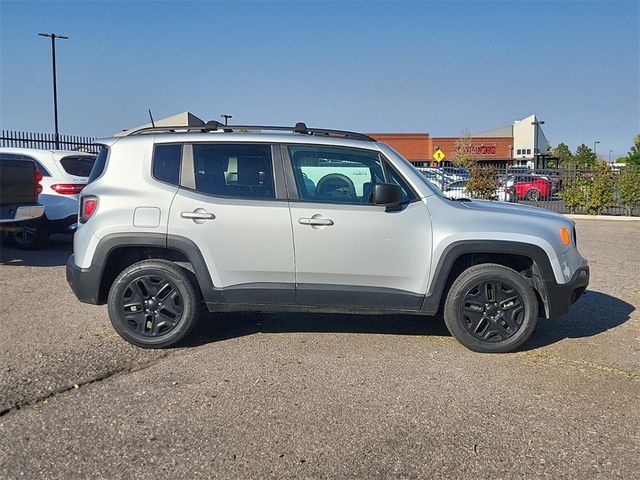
242 218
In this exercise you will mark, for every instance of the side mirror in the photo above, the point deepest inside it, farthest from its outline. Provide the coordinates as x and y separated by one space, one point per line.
388 195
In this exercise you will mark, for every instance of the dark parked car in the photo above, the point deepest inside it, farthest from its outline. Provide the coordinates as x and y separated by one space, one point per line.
19 190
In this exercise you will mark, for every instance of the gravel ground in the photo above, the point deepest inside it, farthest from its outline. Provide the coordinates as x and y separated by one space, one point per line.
319 396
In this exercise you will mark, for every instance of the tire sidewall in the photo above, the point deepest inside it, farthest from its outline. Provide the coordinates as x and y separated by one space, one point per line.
179 279
40 236
499 273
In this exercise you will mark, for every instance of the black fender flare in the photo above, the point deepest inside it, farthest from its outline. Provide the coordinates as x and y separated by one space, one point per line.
542 271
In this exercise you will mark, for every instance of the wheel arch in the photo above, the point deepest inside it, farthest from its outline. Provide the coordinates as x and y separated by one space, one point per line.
116 252
528 259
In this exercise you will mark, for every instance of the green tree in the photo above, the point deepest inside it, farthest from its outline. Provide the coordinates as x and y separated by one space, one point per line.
601 188
622 159
584 156
634 153
562 151
630 188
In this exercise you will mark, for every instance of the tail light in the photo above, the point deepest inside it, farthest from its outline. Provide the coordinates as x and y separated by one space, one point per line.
508 191
37 175
68 188
88 206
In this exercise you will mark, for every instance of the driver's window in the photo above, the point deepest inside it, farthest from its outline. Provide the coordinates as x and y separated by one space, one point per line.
334 174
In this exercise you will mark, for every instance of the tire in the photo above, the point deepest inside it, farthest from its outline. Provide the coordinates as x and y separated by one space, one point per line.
154 304
485 325
533 195
32 235
336 185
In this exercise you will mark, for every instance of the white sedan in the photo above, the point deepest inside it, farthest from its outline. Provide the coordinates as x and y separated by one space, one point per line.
456 190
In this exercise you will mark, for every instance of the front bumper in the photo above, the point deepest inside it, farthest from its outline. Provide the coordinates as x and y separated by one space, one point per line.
84 282
560 297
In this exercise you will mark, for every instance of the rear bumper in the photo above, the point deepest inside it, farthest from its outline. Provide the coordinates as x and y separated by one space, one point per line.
20 213
84 282
560 297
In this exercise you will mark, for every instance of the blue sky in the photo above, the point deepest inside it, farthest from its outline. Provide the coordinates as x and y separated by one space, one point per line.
436 67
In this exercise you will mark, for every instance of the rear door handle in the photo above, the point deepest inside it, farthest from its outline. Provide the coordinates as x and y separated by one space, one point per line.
198 214
315 221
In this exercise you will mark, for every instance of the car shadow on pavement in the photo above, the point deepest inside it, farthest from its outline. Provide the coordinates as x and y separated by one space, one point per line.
214 327
54 254
594 313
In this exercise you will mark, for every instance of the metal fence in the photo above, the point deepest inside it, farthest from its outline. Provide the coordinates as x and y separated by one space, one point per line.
566 190
47 141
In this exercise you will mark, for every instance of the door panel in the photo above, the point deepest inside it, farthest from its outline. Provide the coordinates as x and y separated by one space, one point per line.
246 243
367 257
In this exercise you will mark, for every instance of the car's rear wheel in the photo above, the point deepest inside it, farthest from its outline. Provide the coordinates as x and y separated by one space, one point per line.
533 194
153 304
491 308
31 234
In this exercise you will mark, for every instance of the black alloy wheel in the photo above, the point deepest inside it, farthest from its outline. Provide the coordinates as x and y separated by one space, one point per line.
491 308
30 234
154 303
492 311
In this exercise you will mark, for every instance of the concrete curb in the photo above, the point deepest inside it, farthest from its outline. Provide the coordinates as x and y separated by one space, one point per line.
620 218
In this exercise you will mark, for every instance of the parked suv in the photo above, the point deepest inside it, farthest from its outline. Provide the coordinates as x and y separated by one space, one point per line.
247 218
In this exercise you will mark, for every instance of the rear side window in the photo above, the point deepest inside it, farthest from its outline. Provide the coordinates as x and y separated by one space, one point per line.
241 170
78 166
99 164
166 163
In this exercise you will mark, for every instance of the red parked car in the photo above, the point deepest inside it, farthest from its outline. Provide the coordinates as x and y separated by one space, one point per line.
532 188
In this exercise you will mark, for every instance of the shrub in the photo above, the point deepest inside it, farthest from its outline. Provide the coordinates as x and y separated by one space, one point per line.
601 189
483 182
574 191
630 188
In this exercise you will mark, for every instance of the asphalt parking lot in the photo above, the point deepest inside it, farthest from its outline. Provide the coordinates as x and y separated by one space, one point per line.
319 396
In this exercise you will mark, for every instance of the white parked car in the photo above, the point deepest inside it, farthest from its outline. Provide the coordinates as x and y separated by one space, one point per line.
437 176
457 190
64 175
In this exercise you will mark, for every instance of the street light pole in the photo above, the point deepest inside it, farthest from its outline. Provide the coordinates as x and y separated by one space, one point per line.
226 118
53 37
610 155
536 150
595 147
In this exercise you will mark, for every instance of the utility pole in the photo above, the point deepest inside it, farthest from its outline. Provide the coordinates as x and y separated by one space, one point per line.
53 37
536 151
226 118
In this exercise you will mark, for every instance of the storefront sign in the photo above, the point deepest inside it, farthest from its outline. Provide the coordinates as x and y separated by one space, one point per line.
482 149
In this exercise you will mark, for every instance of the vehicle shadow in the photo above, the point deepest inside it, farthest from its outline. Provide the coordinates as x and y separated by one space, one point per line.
593 314
214 327
54 254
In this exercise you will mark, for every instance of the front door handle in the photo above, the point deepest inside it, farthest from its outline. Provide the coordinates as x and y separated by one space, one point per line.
315 221
199 215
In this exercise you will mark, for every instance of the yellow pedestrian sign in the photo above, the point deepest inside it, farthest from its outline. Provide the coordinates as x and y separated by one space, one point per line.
439 155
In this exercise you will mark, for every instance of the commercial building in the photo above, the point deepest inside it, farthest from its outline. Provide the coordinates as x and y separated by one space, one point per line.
523 143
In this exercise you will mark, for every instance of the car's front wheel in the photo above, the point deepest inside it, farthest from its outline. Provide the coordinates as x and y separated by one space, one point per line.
491 308
154 304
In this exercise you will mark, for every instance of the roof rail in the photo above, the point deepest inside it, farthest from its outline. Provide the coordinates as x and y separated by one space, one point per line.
214 126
